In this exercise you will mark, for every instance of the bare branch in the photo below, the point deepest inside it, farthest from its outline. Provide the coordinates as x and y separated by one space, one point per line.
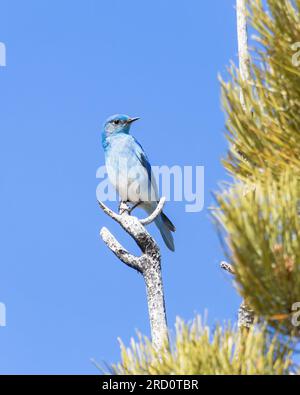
226 266
244 59
148 264
155 213
109 212
245 316
113 244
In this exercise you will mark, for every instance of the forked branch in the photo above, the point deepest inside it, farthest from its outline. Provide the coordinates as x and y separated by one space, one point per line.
148 263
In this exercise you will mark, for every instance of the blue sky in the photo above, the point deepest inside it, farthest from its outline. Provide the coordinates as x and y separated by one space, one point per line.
69 66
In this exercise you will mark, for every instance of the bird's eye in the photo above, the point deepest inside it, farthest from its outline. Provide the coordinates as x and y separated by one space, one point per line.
116 122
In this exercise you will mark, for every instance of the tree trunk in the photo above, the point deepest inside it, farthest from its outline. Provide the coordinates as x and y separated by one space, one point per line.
156 305
148 264
244 60
245 314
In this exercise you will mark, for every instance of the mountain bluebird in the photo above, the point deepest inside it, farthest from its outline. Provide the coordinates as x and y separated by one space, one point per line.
130 173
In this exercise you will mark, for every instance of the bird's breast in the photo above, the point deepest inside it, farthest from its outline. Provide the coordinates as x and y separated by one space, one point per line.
125 171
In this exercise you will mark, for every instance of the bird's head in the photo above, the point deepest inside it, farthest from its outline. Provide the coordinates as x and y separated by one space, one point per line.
118 124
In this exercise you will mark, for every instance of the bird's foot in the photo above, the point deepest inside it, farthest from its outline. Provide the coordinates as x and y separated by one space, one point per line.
124 208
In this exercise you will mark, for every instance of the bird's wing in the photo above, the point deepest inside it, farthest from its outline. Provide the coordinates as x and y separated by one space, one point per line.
143 159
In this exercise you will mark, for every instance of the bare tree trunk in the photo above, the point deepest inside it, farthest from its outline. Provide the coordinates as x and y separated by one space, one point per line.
148 264
245 314
156 305
244 60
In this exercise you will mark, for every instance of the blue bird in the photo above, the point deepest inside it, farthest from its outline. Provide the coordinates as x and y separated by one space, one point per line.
130 173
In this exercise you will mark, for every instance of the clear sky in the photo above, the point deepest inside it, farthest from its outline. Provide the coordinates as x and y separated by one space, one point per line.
71 64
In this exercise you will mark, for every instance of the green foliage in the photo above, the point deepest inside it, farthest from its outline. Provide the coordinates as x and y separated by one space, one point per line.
261 215
263 227
267 135
197 350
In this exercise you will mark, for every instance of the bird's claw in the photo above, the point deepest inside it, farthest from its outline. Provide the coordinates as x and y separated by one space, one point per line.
123 208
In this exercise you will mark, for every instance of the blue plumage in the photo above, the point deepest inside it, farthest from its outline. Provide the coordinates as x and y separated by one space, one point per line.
130 172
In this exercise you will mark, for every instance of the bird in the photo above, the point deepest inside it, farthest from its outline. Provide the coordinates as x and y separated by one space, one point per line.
129 171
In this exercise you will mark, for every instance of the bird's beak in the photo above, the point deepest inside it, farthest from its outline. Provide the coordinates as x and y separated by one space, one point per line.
132 120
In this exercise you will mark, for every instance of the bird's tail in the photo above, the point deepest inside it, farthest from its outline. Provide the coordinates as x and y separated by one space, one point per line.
166 228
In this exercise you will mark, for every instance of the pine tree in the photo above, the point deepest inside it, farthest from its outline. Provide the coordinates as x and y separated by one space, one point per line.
260 211
258 214
199 350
